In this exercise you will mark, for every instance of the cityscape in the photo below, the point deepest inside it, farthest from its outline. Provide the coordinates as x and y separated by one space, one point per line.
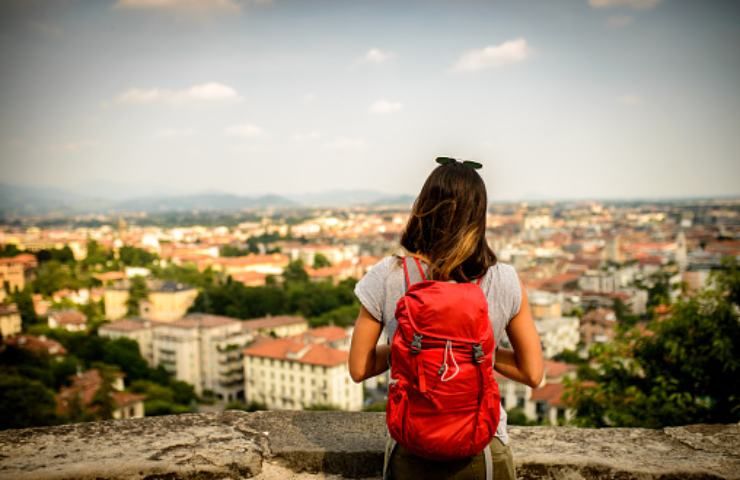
200 201
135 317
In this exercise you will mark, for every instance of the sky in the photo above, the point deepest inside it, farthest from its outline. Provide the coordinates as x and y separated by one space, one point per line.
556 98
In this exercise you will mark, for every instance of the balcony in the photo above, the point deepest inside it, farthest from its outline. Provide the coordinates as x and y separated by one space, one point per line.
285 444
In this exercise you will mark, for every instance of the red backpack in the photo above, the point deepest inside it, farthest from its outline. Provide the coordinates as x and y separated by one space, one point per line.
443 400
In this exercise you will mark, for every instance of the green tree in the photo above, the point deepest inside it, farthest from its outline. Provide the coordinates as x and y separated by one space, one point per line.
102 403
25 403
683 371
136 257
24 301
320 261
137 292
295 272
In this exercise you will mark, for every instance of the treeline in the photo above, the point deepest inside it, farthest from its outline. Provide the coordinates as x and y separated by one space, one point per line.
29 381
322 303
676 370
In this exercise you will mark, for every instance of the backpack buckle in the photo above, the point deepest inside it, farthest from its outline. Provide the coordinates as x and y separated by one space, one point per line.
478 353
416 343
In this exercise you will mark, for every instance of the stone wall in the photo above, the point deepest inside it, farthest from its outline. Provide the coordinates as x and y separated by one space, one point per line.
336 445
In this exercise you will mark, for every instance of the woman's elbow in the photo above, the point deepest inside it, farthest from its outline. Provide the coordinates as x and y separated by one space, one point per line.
534 378
356 374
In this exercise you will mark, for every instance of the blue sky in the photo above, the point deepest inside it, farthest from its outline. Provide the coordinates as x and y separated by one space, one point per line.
558 99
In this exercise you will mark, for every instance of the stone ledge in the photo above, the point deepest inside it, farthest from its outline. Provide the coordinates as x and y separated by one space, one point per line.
308 445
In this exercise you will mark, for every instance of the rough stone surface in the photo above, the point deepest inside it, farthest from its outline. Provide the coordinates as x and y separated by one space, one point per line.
336 445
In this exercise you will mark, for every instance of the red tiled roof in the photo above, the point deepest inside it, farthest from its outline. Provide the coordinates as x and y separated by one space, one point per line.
37 344
68 317
550 392
554 369
284 348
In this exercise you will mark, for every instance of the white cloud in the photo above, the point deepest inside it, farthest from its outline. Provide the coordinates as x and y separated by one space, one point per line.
385 106
512 51
619 21
194 6
376 55
205 92
345 143
306 136
247 130
309 97
630 99
636 4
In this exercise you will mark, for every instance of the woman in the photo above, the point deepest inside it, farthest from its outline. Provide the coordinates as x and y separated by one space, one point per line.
446 231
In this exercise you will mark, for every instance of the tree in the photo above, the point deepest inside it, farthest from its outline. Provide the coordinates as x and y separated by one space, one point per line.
136 257
681 371
25 403
320 261
295 273
137 292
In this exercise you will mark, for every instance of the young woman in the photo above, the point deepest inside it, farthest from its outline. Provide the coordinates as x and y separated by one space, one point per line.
446 232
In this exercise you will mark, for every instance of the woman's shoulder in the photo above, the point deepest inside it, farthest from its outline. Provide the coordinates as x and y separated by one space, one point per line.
503 276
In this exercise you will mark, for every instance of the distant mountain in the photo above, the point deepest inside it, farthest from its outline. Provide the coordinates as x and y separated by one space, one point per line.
25 200
205 201
340 198
30 201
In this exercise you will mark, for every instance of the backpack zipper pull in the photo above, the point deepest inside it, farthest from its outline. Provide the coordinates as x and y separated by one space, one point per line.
416 343
478 353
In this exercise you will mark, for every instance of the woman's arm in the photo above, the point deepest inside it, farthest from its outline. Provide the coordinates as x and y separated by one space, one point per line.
366 357
524 363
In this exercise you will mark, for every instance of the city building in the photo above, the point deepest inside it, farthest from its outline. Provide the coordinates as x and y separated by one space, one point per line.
38 345
16 271
10 320
204 351
598 326
82 393
301 371
558 334
275 326
70 320
166 300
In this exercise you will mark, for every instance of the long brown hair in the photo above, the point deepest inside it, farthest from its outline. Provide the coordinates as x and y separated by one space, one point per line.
447 225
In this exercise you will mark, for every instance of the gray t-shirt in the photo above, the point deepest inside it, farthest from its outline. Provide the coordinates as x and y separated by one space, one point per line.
383 285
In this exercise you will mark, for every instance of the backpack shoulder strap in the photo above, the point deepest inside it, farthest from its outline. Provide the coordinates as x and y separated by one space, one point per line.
406 273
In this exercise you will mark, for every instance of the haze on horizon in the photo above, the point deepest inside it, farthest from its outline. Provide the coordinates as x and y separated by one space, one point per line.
558 99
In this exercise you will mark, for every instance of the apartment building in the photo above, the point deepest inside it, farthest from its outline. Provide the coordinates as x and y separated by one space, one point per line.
10 320
300 371
204 351
275 326
166 300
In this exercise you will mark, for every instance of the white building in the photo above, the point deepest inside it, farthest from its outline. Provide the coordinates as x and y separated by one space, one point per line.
558 334
544 402
300 371
204 351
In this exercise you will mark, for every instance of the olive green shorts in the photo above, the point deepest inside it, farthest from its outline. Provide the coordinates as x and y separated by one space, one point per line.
404 465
